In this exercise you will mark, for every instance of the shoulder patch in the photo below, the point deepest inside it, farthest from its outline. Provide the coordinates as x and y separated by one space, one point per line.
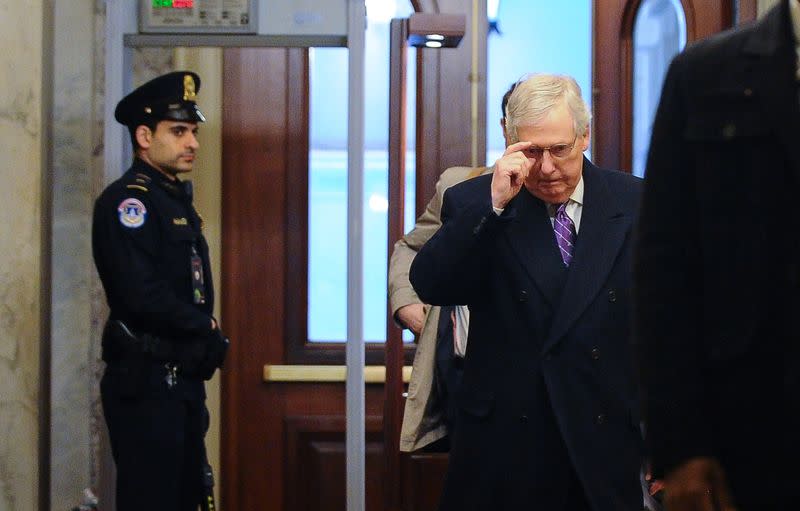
137 187
132 213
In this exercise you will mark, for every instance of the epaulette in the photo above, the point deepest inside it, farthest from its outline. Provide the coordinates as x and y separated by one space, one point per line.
141 182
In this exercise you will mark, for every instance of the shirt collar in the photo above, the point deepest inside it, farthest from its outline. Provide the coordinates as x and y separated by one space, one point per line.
576 198
177 187
577 193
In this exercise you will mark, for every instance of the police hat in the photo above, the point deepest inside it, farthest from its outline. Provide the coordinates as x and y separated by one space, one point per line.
167 97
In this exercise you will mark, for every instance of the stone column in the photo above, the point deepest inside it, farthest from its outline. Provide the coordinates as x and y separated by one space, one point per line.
72 269
24 226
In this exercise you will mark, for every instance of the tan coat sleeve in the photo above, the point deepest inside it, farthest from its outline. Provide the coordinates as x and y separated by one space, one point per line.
400 291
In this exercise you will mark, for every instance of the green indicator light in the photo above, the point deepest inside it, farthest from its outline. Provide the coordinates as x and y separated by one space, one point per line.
174 4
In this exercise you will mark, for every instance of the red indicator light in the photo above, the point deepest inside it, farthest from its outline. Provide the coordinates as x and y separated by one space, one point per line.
175 4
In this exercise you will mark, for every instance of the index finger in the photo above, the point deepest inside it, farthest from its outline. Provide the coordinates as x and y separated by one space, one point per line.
519 146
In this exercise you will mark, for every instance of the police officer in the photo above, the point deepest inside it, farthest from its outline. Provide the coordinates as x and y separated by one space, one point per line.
161 341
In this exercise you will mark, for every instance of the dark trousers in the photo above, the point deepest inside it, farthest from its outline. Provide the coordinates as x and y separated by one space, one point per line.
448 369
157 445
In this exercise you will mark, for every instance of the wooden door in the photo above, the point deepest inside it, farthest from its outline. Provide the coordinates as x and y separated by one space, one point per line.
283 444
613 66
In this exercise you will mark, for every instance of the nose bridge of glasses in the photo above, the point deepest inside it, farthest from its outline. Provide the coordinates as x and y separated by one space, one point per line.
559 150
548 164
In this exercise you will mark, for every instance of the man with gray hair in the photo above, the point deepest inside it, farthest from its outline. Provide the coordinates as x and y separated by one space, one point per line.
540 253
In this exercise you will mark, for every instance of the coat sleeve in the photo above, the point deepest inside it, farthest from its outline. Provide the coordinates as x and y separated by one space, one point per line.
453 266
668 287
401 293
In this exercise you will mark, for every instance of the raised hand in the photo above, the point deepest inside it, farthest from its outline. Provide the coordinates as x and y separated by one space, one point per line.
510 172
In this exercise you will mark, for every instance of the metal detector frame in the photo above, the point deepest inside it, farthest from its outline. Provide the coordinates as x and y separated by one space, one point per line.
121 31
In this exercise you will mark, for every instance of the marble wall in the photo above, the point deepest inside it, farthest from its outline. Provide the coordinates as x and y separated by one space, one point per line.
22 225
71 455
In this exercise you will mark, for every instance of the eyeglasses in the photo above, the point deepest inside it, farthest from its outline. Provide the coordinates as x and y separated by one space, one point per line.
556 151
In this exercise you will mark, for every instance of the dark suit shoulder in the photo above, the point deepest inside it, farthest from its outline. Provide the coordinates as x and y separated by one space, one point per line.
623 188
715 45
760 37
131 182
617 180
619 177
127 187
471 190
473 185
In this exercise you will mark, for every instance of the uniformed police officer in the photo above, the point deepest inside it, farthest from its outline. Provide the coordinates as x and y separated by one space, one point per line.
161 341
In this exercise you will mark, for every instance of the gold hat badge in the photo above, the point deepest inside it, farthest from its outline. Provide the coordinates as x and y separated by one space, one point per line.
188 88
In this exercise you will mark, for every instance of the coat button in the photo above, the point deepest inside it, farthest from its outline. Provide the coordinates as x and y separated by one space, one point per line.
595 353
729 130
600 419
612 296
522 296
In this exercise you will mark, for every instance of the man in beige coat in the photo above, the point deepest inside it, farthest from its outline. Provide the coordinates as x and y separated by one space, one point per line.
424 415
423 419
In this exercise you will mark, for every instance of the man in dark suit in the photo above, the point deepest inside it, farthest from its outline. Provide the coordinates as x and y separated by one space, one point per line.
717 271
539 251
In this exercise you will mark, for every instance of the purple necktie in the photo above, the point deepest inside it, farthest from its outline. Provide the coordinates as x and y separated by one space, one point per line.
565 233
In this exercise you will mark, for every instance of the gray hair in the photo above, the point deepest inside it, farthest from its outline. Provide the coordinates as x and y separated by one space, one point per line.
536 94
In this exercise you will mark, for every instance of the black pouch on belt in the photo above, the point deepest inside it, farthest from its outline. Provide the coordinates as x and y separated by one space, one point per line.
129 359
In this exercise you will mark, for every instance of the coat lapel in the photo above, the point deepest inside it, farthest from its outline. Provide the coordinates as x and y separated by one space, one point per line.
602 234
532 240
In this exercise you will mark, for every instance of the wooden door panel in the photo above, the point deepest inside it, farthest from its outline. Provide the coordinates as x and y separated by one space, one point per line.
253 235
316 477
423 475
